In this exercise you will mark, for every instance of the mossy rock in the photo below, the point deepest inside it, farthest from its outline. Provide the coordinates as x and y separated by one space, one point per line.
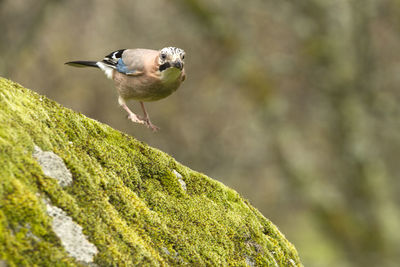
74 191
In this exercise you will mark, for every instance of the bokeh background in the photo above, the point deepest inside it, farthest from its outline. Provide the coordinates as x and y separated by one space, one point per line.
294 104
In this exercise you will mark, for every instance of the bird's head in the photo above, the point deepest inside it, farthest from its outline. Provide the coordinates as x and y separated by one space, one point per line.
171 57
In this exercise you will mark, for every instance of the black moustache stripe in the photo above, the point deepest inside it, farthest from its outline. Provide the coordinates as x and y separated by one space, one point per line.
164 66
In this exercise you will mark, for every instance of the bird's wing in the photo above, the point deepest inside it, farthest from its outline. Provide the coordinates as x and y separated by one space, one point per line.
126 61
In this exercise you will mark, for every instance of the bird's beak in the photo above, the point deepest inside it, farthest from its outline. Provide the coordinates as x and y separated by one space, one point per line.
177 64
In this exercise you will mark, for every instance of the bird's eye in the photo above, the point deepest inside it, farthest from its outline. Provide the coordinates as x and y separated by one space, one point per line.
183 56
163 56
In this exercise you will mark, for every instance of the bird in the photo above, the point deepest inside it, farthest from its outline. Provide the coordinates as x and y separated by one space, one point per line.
141 74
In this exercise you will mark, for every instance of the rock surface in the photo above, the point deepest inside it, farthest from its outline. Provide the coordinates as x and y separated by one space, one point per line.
123 203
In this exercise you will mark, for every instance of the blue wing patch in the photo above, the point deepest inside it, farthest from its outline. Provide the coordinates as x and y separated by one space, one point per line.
121 67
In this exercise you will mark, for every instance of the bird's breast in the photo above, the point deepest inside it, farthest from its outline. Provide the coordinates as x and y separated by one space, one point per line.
147 87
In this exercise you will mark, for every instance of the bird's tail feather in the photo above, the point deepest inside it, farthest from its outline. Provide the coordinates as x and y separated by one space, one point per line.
82 64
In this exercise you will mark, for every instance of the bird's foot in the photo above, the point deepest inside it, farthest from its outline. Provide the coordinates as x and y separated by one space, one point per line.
135 118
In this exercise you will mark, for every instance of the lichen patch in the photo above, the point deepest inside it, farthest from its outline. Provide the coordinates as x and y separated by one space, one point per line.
71 236
53 166
180 180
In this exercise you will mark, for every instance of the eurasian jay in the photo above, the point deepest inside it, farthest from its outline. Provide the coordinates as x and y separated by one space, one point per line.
142 74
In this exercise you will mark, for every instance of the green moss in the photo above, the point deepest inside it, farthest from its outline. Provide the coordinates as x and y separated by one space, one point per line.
125 196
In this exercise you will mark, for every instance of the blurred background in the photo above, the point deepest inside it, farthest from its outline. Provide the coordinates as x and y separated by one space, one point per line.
294 104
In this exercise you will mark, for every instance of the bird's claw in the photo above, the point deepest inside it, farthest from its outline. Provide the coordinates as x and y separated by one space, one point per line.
141 120
151 126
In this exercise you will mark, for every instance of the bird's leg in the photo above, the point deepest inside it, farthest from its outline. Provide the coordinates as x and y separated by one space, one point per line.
132 116
147 118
